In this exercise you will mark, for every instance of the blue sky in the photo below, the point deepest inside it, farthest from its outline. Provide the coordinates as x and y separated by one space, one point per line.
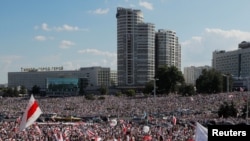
82 33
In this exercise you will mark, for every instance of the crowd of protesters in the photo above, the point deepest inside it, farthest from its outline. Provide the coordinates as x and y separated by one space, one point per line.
165 118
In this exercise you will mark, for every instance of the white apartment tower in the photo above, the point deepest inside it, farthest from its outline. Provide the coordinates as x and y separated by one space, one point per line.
135 48
168 49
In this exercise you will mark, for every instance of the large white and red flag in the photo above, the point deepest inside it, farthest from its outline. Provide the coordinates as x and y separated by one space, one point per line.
31 114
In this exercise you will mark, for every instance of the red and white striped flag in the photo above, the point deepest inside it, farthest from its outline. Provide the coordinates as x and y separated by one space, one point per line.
31 114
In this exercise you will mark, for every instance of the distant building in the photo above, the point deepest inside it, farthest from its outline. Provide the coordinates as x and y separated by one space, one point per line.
95 76
191 74
168 49
135 48
3 85
141 50
235 63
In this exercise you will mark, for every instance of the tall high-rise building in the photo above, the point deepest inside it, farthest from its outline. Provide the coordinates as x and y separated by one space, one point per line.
168 49
135 48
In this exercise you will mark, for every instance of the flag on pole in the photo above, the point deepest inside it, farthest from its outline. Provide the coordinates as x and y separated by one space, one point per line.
31 114
201 132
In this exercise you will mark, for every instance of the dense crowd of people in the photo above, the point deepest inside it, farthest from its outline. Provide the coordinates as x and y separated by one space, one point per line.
162 118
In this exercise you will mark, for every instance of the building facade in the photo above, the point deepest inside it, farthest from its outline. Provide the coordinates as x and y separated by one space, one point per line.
96 77
168 49
235 63
192 73
135 48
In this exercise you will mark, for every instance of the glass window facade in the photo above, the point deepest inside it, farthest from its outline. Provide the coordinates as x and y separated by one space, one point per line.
62 84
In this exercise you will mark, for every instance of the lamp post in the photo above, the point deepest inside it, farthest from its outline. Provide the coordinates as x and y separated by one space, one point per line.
155 79
247 81
154 87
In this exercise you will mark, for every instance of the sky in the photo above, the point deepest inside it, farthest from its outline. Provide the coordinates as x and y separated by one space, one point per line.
82 33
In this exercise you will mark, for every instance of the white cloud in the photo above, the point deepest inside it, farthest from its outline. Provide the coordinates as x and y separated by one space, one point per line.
100 11
45 27
198 50
43 38
66 44
97 52
64 27
100 58
40 38
69 65
146 5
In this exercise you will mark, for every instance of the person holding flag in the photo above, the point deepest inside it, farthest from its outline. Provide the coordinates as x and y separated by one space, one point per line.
31 114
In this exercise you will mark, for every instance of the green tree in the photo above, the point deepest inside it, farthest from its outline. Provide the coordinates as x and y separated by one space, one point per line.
103 90
130 93
167 78
22 90
35 90
8 92
15 92
210 81
227 110
149 87
90 96
187 90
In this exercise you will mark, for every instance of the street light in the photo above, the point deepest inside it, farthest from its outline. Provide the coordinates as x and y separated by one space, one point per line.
247 80
247 99
155 79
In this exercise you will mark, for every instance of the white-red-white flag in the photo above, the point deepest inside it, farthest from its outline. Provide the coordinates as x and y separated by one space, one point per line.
31 114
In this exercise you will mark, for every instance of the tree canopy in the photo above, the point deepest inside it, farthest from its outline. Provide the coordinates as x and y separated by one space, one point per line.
167 79
210 81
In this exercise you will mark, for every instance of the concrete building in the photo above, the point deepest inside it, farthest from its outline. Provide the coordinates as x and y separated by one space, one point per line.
235 63
168 49
192 73
135 48
96 77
